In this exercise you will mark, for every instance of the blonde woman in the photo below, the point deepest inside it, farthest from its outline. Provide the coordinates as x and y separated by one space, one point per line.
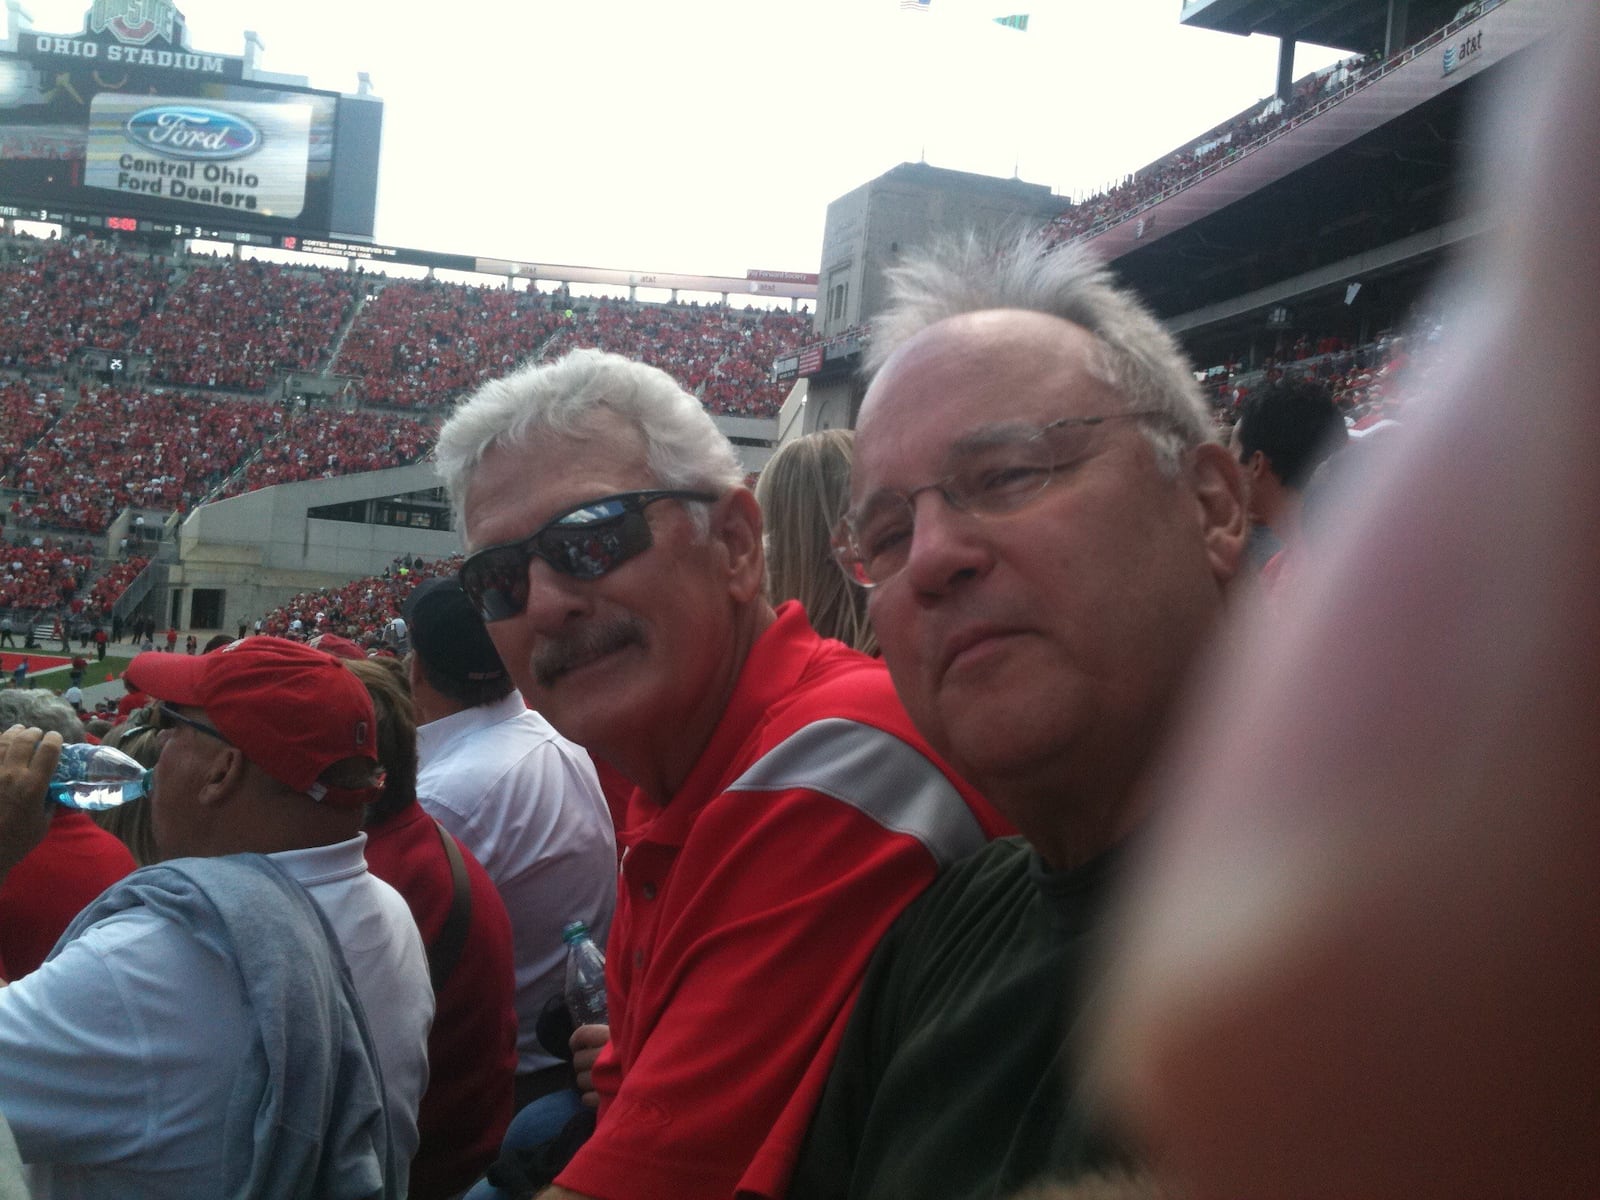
803 490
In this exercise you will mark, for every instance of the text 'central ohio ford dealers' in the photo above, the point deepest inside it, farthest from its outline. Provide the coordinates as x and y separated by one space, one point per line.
223 153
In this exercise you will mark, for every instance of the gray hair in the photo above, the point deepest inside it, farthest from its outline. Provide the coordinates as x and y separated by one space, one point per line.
684 447
42 709
1138 358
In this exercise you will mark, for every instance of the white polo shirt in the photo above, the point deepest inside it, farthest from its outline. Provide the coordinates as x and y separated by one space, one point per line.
528 805
117 1057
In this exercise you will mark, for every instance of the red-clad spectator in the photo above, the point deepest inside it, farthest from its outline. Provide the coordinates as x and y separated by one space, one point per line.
76 861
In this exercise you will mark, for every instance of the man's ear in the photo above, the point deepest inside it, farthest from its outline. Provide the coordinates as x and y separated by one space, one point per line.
736 530
224 775
1219 489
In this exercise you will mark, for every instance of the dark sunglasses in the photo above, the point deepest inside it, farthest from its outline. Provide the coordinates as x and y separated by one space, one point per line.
585 542
168 717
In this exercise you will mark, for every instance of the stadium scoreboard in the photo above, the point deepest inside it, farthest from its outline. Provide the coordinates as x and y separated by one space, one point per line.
125 119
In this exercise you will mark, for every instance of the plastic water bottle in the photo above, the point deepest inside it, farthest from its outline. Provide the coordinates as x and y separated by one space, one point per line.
97 777
586 976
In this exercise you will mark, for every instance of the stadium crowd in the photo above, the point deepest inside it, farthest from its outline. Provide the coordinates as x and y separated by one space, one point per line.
317 444
42 577
235 324
115 447
741 384
1219 145
721 355
108 587
69 295
77 454
422 344
1367 383
1235 136
419 343
26 412
361 610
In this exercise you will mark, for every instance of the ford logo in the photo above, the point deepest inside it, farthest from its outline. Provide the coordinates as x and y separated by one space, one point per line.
189 131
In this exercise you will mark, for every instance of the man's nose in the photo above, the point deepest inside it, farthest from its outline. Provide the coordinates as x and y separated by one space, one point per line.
947 545
554 598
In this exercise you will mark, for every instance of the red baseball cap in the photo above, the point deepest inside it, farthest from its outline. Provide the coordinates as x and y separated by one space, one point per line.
332 643
291 710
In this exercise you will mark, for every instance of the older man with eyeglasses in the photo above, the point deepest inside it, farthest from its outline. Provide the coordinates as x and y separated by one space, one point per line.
785 810
1047 530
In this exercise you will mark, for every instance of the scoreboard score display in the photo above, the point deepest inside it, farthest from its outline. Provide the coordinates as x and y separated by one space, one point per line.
93 123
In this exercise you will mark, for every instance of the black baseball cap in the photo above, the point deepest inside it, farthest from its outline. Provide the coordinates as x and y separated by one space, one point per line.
448 635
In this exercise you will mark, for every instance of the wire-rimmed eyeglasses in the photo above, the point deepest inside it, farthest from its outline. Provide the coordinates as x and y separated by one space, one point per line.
999 471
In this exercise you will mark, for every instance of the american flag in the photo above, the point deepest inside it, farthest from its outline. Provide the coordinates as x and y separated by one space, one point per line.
914 5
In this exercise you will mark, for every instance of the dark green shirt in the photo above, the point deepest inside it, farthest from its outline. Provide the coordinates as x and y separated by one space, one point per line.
954 1077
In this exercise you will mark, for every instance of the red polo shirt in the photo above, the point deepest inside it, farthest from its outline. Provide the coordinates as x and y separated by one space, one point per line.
749 906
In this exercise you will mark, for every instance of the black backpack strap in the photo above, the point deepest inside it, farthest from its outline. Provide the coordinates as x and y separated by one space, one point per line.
446 949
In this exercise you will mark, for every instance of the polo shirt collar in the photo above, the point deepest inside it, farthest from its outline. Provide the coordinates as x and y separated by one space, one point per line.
323 864
434 736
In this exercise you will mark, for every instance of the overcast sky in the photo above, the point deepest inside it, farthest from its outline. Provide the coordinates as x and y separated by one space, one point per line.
708 136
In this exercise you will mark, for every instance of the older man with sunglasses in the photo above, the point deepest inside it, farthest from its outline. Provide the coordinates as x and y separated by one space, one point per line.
785 810
251 1016
1047 530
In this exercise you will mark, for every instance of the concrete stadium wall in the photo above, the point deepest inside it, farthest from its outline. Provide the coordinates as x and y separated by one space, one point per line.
261 548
